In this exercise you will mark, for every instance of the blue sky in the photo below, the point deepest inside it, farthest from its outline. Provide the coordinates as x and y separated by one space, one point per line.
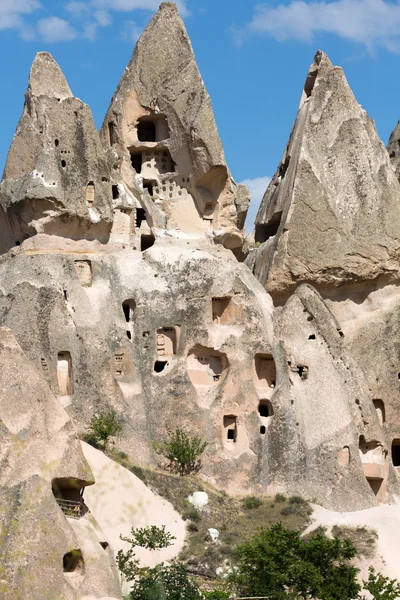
253 56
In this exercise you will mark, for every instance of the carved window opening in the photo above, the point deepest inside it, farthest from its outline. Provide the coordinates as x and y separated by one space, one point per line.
302 371
267 230
73 562
309 84
166 341
129 307
64 374
160 365
84 271
146 131
115 192
220 310
344 456
111 133
284 167
230 427
265 408
68 492
137 161
90 194
396 452
149 186
264 370
263 429
380 411
373 459
140 217
146 241
311 337
119 359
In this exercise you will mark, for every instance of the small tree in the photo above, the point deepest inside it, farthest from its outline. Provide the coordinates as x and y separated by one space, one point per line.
166 583
278 563
152 538
182 452
380 587
104 426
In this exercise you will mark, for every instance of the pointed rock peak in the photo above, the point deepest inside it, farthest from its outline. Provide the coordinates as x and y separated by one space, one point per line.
320 65
169 6
47 79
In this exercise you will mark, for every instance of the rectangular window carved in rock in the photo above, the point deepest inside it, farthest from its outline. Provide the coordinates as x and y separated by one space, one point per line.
220 310
90 194
230 427
84 271
166 341
119 360
64 374
264 371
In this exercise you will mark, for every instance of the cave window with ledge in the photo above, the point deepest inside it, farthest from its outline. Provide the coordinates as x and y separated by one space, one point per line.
146 131
129 306
68 492
380 411
166 341
90 194
265 409
230 428
64 374
73 562
264 371
136 160
396 452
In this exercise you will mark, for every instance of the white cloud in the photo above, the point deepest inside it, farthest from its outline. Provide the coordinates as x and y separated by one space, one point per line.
257 187
132 31
128 5
54 29
12 12
369 22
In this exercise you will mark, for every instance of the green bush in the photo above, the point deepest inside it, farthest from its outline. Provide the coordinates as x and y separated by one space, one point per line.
251 502
216 595
182 452
192 514
278 563
139 472
297 500
104 426
165 583
280 498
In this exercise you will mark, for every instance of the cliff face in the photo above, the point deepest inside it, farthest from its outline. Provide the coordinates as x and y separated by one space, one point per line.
330 214
119 287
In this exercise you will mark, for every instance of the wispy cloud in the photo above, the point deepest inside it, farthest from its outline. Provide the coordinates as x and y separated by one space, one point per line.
54 29
369 22
72 19
12 13
257 187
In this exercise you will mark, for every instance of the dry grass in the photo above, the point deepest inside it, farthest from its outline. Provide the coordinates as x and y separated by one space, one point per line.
364 539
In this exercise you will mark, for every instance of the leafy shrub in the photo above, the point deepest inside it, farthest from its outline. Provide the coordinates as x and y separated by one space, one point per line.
182 452
278 563
297 500
216 595
104 426
165 582
152 537
192 527
251 502
380 587
192 514
289 509
280 498
141 473
90 439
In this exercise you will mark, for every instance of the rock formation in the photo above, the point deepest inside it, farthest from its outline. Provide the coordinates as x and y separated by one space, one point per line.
120 287
330 214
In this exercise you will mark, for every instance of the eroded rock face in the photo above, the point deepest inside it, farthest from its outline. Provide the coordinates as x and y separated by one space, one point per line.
330 214
57 177
166 148
41 458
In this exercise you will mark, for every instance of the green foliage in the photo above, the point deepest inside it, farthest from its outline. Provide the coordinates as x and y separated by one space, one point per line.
251 502
139 472
104 426
127 565
152 538
280 498
182 452
279 564
192 514
165 583
380 587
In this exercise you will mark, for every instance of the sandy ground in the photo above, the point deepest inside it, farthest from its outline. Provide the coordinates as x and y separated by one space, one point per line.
119 501
385 520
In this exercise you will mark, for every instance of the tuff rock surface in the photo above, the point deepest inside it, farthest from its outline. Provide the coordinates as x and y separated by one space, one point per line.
120 288
330 215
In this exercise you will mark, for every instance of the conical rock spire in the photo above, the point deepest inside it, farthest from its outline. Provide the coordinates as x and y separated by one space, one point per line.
161 126
330 214
56 166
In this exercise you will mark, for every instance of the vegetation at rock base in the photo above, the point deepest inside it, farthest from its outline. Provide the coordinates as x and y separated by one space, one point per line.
182 452
103 426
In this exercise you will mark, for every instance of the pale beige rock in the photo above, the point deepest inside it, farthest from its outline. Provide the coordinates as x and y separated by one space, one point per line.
330 215
57 177
162 115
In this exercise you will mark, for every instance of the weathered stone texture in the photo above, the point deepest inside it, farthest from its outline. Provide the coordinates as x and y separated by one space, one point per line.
330 215
192 189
